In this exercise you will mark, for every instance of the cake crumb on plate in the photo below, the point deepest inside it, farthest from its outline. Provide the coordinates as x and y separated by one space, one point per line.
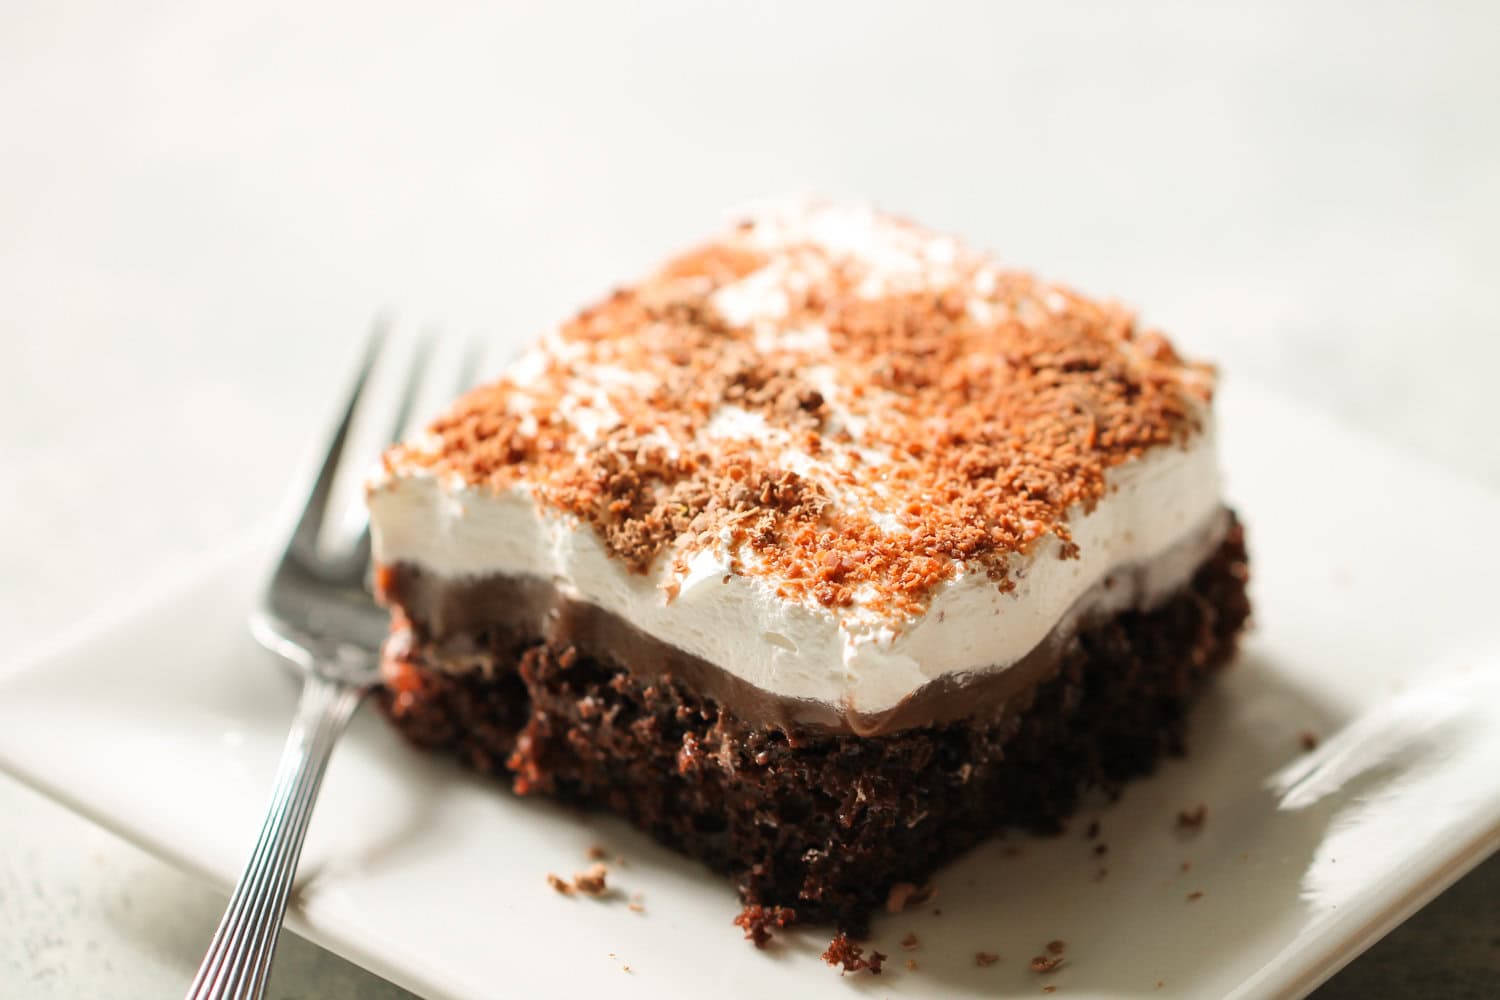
592 882
1192 819
842 951
906 894
757 922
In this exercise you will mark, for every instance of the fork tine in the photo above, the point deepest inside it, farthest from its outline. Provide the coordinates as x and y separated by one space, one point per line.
306 532
468 367
359 550
416 372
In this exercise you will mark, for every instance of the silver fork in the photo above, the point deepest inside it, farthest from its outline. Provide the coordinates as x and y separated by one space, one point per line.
319 615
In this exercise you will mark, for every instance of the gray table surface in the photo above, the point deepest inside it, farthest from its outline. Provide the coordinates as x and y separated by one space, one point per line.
201 205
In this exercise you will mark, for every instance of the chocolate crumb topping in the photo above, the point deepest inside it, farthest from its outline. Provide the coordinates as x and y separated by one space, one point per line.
839 401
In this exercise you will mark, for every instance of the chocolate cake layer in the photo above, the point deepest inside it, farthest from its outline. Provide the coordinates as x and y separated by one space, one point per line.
452 619
822 822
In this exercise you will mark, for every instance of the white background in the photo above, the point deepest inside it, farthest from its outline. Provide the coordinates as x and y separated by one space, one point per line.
203 205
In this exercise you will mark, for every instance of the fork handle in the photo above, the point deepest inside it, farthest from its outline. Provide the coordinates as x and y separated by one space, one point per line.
238 962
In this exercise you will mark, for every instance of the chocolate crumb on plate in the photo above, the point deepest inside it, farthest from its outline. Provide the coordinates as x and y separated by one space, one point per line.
911 942
1194 896
1057 947
597 853
984 959
1192 819
562 885
911 965
1308 739
842 951
905 894
592 882
757 922
1045 963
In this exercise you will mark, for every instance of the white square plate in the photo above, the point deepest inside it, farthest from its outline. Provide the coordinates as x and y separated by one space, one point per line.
1375 629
